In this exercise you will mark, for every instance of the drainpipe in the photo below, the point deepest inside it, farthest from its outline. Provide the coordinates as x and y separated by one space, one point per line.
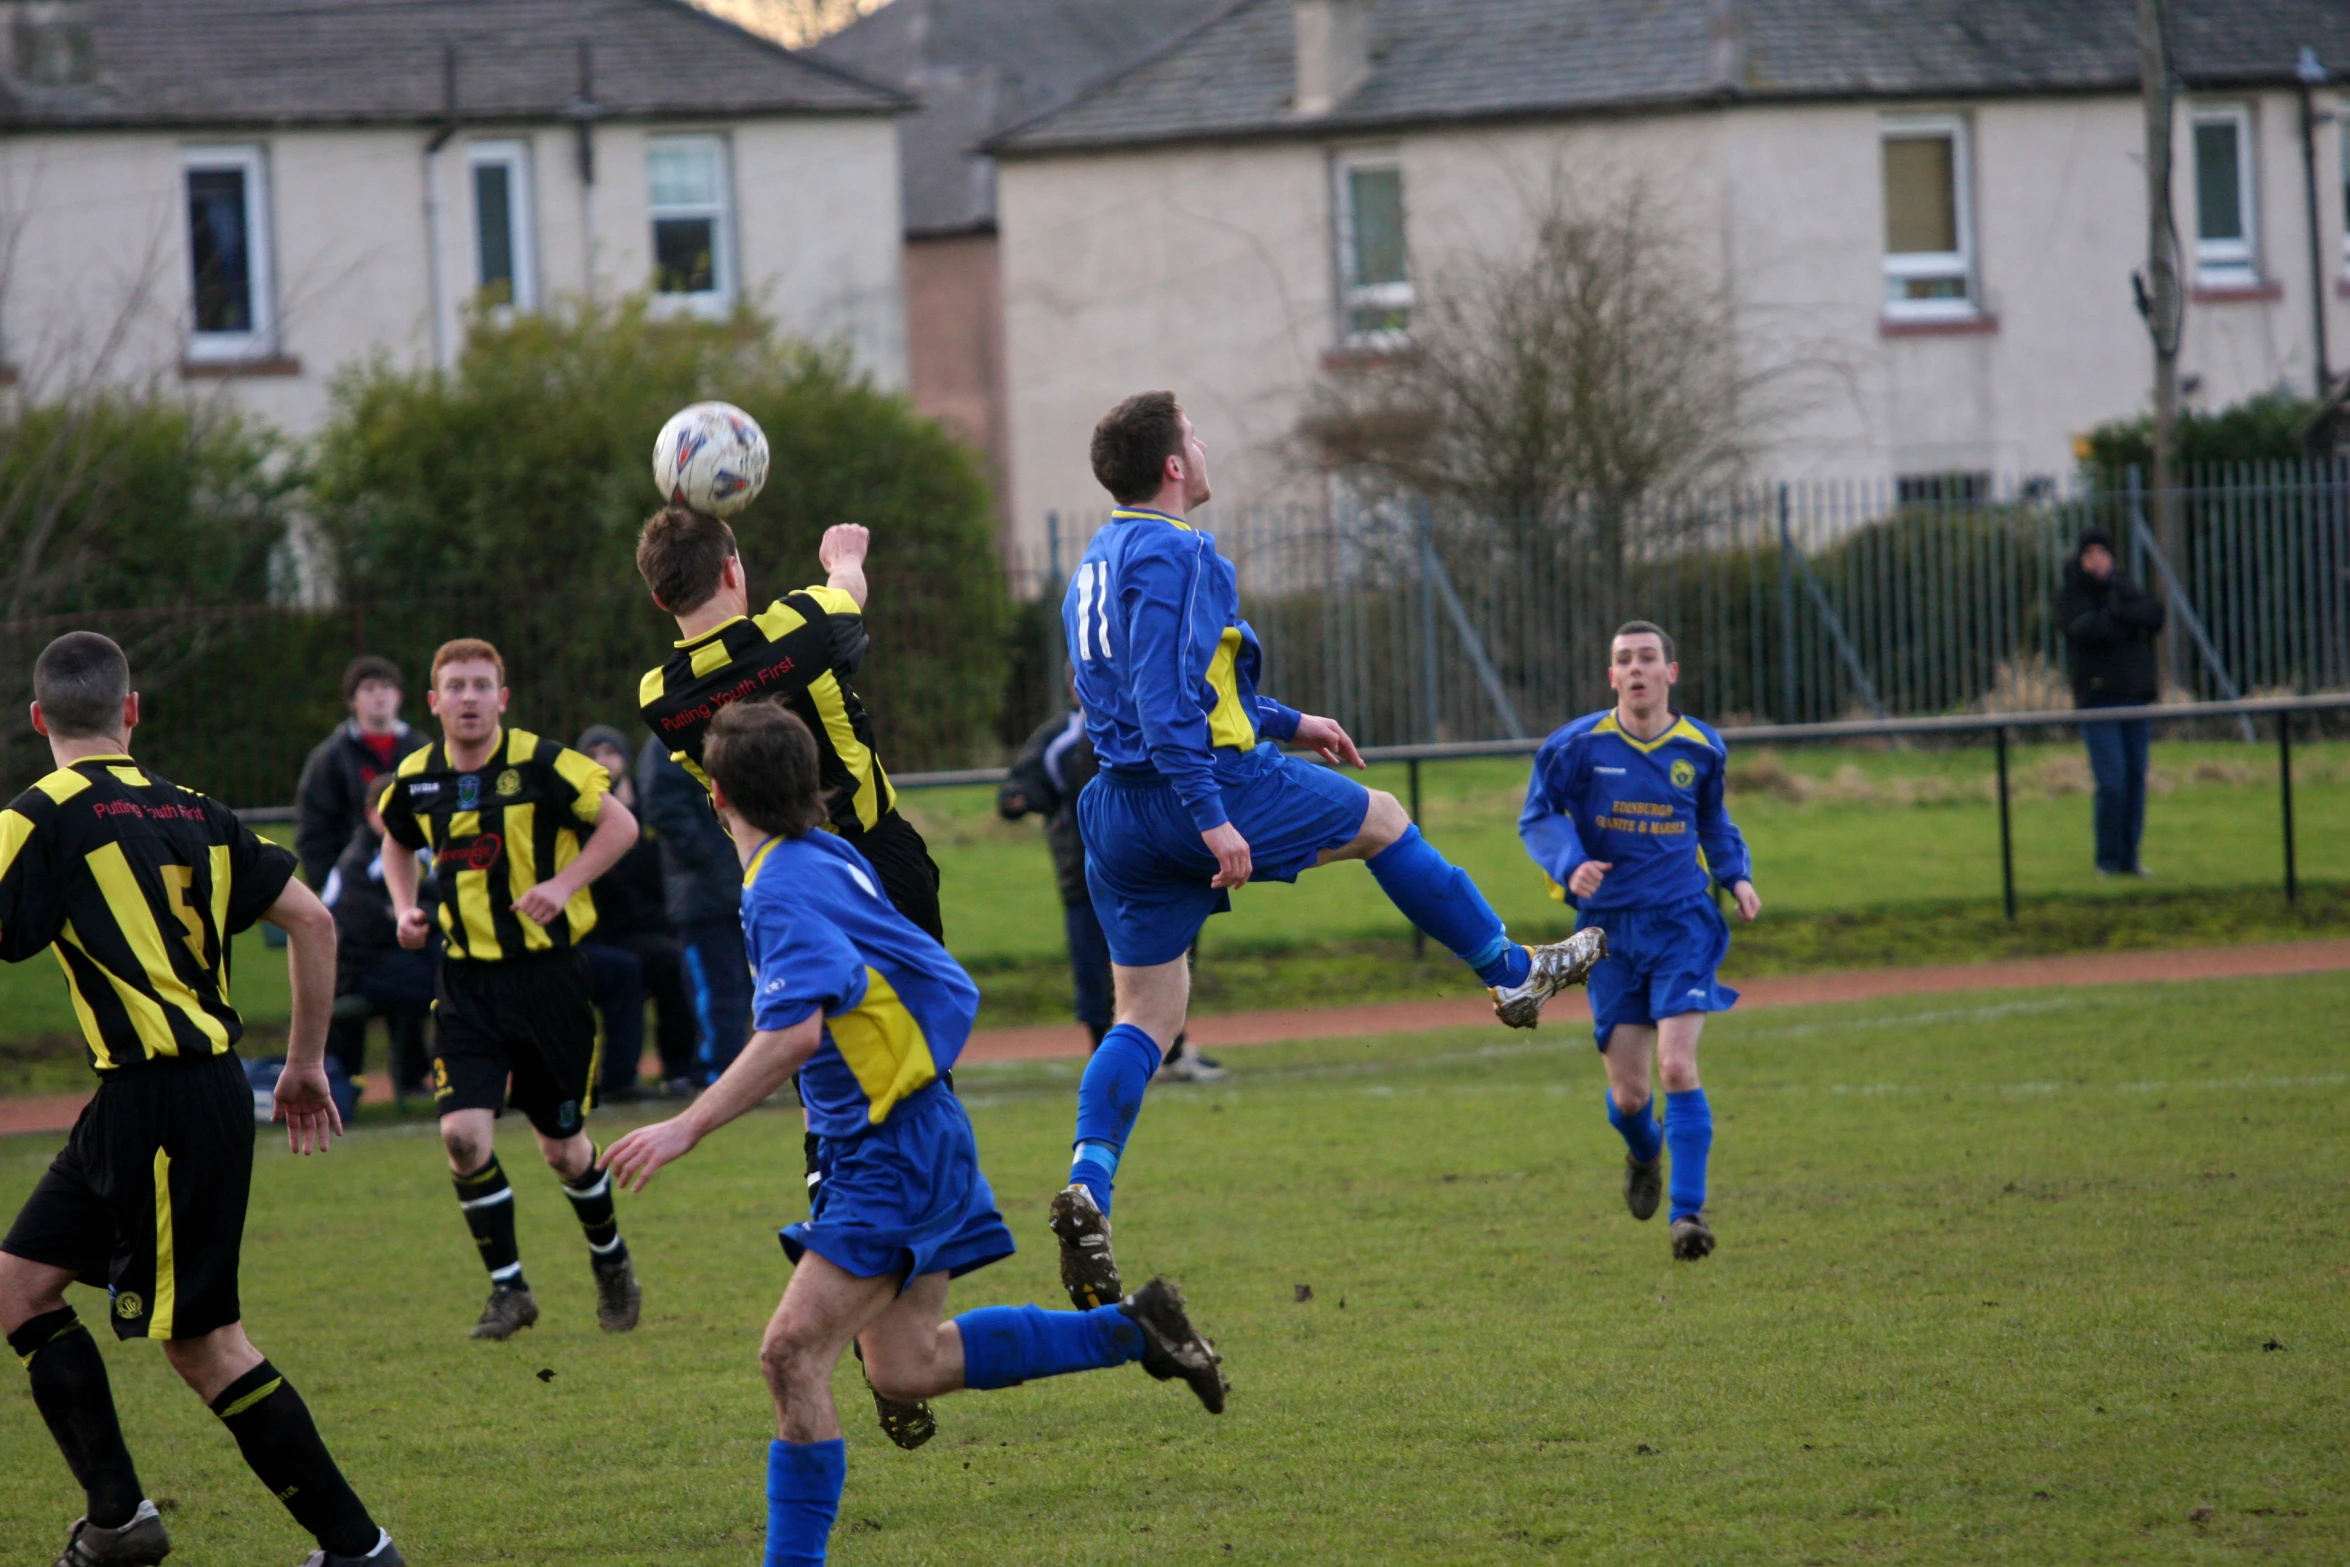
437 283
584 111
2309 75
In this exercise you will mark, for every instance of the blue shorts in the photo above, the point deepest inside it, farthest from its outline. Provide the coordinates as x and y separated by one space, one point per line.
1660 963
1148 869
905 1198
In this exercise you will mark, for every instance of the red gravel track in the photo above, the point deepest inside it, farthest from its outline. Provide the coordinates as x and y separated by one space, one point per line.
56 1112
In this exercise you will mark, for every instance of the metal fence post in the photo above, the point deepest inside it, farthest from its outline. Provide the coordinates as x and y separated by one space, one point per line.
1787 714
2006 829
2285 791
1419 936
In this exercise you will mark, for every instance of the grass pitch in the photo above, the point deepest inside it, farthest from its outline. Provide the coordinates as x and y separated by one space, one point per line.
2026 1278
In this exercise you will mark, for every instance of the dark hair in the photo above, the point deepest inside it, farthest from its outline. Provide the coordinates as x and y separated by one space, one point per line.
465 650
366 667
764 760
2092 537
80 681
680 554
1645 628
1132 444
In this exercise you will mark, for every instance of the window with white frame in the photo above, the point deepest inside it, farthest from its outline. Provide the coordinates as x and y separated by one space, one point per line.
1929 230
232 307
1374 285
692 224
505 271
2225 224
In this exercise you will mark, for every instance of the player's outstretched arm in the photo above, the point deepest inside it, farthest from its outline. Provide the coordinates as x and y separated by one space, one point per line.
302 1100
614 836
766 1064
842 555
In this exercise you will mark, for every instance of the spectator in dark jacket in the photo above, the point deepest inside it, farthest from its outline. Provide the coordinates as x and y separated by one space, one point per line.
633 954
702 884
1055 764
333 793
374 975
2110 624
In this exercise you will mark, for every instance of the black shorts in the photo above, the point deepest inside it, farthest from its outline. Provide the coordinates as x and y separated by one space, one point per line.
909 877
148 1198
530 1019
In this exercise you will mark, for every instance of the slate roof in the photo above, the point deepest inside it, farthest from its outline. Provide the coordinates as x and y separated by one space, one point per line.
192 63
977 66
1439 60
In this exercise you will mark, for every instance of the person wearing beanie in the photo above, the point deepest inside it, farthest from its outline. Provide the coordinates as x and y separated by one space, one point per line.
2109 625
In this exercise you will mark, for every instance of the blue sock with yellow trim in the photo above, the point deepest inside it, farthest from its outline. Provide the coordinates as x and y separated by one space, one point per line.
1640 1132
282 1447
1004 1346
76 1400
1438 897
804 1482
1109 1097
1689 1134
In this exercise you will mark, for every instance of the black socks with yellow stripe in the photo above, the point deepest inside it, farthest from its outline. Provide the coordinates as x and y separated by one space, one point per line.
591 1200
282 1446
74 1397
489 1213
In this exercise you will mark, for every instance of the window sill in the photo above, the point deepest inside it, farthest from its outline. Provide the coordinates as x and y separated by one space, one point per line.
2251 291
1980 324
239 369
1367 356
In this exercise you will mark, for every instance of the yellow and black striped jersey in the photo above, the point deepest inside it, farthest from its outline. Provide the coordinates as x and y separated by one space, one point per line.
139 884
803 651
497 832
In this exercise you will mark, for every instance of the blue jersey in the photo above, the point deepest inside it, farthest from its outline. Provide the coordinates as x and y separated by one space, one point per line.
897 1009
1166 669
1651 809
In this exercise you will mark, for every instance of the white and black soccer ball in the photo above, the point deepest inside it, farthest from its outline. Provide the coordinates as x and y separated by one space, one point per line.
711 457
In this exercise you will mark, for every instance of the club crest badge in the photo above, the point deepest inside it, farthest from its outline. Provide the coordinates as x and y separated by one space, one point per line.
509 784
469 792
1684 774
129 1306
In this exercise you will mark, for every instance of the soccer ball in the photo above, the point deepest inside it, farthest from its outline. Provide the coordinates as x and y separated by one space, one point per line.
711 457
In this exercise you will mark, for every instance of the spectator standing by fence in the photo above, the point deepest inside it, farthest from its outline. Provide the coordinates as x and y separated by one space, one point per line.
632 954
702 885
333 796
2110 624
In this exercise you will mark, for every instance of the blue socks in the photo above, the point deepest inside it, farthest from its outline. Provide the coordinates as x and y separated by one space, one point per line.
1641 1133
804 1481
1004 1346
1438 897
1109 1097
1689 1133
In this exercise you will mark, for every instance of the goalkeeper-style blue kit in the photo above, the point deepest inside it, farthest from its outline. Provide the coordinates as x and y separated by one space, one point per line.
1652 810
1166 670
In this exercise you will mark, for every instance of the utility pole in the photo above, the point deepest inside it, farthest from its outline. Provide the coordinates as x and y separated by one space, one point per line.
2159 298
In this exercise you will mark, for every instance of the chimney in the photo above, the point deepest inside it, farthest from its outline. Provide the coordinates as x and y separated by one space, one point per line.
1333 52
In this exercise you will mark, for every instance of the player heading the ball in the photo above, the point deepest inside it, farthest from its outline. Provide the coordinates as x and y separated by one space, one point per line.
871 1012
1195 798
1625 815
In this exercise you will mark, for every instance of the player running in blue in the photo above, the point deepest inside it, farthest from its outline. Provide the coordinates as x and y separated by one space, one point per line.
871 1013
1191 801
1625 815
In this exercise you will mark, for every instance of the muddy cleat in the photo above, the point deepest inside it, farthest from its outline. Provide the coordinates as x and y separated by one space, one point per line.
139 1543
385 1554
618 1297
1556 967
1088 1272
1172 1347
1643 1185
908 1425
508 1312
1692 1238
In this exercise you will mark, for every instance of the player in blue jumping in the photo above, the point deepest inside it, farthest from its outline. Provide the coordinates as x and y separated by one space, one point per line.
1625 815
1192 801
871 1013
